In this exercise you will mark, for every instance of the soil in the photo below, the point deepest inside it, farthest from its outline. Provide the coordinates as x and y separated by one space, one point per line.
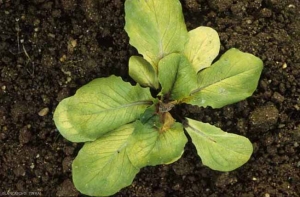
50 48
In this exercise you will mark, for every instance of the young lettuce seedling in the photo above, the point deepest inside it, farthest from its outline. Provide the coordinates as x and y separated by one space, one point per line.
124 128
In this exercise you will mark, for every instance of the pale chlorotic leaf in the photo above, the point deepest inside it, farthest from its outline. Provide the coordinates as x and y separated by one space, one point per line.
102 167
217 149
156 28
176 76
142 72
151 146
232 78
102 105
202 48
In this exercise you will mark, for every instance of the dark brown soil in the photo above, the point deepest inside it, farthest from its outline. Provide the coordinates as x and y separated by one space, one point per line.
49 48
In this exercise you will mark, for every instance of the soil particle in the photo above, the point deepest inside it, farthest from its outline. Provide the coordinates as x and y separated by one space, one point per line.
69 5
90 9
193 5
183 167
19 171
277 97
276 4
159 193
220 6
66 164
67 189
265 13
264 118
18 111
2 115
242 125
69 150
43 112
63 93
225 179
239 9
25 135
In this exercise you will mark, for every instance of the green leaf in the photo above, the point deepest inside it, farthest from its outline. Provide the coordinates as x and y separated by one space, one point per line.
142 72
177 76
219 150
203 47
232 78
102 167
148 114
156 28
100 106
152 146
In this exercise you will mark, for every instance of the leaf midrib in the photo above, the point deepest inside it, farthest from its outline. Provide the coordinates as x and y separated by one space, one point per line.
213 141
118 107
221 80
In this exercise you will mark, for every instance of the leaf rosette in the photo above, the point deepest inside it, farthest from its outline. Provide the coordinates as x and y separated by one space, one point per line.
125 128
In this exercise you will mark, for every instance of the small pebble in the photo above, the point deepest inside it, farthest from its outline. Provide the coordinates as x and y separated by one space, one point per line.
277 97
44 111
74 43
284 66
291 6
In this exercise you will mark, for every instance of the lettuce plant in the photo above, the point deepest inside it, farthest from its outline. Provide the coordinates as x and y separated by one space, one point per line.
124 128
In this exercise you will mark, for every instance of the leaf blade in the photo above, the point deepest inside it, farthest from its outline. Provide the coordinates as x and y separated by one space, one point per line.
219 150
203 47
177 76
150 146
227 81
142 72
155 28
101 167
100 106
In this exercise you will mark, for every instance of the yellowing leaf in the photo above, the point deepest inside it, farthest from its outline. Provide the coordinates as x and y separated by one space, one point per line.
167 121
232 78
150 146
102 167
219 150
99 107
156 28
202 48
142 72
